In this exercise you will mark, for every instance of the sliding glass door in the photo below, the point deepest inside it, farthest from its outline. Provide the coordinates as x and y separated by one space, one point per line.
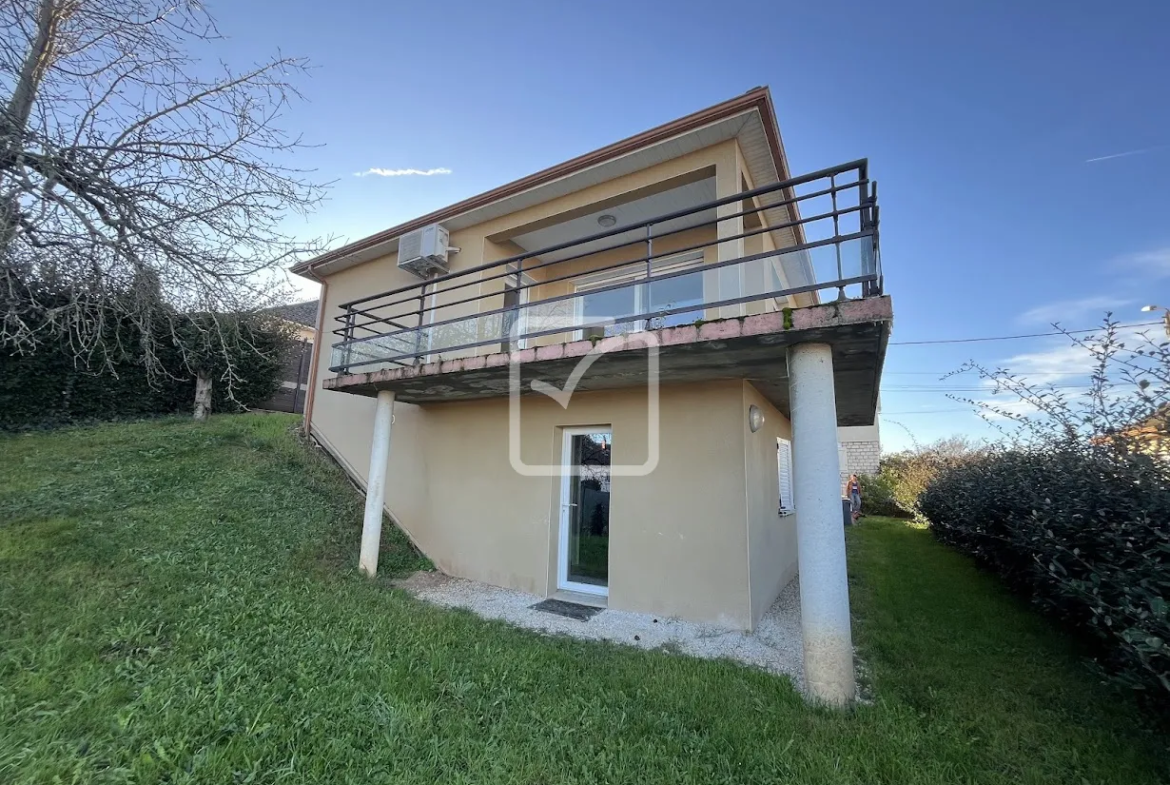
610 310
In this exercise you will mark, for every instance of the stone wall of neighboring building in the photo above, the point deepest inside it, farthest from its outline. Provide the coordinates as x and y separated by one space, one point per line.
863 457
861 447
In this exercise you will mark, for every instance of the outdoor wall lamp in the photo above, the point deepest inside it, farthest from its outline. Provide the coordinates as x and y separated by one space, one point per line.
755 418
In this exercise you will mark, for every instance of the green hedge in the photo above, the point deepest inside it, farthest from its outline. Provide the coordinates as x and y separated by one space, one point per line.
50 387
1083 529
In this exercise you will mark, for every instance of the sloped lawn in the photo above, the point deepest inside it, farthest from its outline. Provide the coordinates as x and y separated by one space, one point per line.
179 604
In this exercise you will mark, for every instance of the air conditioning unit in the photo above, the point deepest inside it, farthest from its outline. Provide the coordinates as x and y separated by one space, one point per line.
424 251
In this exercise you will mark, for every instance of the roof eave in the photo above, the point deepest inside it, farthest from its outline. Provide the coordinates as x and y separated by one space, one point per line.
759 98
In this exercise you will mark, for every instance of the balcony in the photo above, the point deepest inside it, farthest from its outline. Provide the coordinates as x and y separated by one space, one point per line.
720 287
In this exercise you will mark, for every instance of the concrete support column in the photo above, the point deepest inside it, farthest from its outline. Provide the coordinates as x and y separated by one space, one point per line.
820 534
376 483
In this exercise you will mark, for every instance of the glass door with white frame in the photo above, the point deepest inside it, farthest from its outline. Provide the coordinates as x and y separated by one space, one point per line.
606 311
583 553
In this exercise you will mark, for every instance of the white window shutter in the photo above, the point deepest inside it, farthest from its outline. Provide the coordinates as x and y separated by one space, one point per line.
784 468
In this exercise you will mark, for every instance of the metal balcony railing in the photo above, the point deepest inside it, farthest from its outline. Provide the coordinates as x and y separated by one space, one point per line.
498 306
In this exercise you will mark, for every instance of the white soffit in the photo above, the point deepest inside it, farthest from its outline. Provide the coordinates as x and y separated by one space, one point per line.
757 156
638 211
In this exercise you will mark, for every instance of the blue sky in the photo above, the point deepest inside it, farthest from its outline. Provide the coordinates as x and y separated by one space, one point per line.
981 125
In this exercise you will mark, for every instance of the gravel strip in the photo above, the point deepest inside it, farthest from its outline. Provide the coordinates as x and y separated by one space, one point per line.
774 646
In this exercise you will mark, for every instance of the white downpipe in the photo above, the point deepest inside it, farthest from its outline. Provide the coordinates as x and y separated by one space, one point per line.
376 483
820 534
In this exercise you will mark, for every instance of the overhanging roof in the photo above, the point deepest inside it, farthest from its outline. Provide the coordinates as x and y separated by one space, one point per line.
750 118
299 313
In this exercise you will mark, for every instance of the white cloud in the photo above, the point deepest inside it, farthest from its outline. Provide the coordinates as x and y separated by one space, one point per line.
1058 363
1063 363
1069 310
402 172
1000 403
1148 264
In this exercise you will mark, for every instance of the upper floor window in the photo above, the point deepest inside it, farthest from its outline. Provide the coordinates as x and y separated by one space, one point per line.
615 308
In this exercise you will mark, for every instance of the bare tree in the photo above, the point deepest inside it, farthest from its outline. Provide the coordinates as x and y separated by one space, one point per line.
139 183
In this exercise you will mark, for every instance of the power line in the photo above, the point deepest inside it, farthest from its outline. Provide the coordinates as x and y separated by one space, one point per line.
952 372
1014 337
993 383
926 411
923 388
974 389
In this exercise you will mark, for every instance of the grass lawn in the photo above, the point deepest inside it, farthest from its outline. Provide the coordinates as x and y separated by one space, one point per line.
180 604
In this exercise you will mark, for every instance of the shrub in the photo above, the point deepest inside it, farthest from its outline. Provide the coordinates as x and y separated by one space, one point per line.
54 387
877 495
1073 508
908 473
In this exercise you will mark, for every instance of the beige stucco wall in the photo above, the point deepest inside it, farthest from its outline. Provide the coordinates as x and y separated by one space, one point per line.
771 536
679 537
302 332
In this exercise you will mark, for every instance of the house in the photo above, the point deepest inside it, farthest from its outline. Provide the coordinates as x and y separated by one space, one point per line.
301 318
1148 435
619 380
301 321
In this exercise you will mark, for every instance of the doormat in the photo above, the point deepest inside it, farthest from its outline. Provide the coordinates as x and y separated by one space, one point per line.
569 610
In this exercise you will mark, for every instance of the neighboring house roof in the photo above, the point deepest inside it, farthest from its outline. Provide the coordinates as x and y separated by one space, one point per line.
1156 426
750 118
299 313
1153 431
